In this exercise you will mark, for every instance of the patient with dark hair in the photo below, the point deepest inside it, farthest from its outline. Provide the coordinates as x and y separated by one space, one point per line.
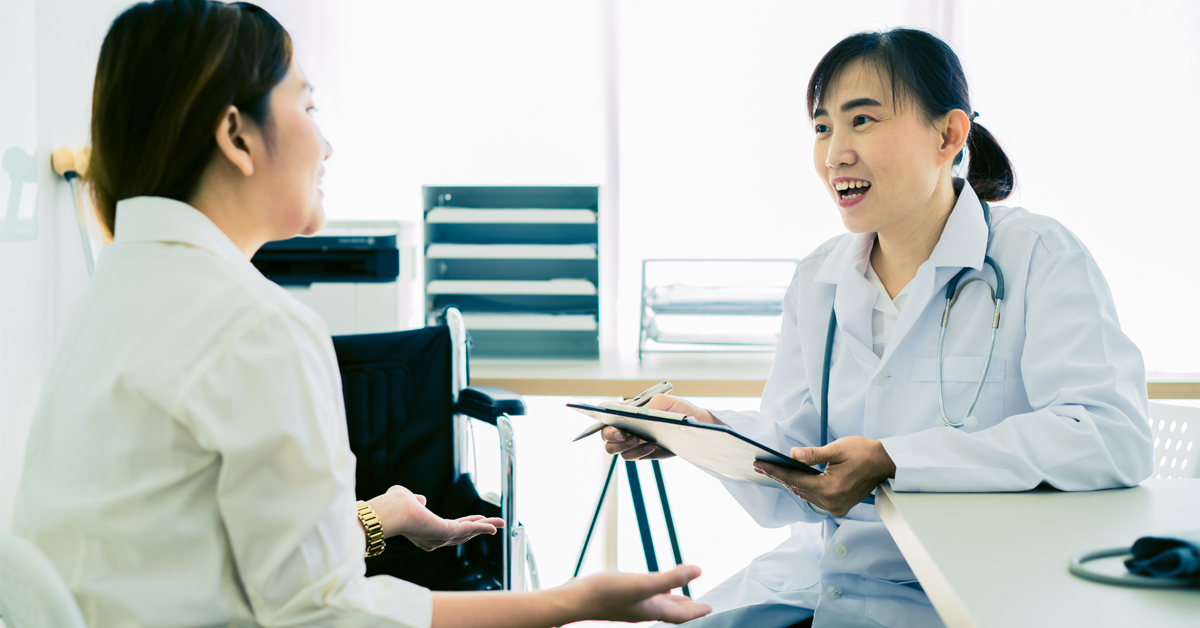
188 463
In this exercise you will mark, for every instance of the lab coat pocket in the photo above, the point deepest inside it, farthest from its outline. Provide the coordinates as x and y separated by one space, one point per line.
791 566
960 379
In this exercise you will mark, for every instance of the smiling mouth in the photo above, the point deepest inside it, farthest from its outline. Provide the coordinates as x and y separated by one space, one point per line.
849 190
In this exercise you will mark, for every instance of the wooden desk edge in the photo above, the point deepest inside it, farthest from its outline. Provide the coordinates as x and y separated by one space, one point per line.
621 387
715 388
946 601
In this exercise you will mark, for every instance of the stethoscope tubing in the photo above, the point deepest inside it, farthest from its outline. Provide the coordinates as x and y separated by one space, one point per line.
953 290
968 419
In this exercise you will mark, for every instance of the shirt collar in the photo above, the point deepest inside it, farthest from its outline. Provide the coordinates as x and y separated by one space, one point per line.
158 219
883 301
963 243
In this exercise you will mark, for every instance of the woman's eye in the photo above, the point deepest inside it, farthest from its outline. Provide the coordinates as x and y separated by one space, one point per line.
821 128
861 120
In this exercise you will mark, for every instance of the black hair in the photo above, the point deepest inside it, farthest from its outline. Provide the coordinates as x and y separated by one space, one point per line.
923 70
168 71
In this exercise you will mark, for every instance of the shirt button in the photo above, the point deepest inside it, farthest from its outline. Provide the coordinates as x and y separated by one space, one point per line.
833 593
839 550
881 379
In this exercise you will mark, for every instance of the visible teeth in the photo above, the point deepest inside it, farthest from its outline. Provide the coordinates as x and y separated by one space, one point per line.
846 185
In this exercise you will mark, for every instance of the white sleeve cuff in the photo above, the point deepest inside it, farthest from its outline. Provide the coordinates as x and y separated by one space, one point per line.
902 450
388 601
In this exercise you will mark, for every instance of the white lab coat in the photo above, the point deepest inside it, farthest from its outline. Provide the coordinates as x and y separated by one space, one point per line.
1064 403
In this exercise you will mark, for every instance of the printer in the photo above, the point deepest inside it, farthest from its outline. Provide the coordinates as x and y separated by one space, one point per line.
360 276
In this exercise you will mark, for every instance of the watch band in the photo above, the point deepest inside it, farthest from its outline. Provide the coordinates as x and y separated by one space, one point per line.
370 523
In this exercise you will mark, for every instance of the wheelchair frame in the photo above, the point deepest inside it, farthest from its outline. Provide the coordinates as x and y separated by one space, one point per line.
517 552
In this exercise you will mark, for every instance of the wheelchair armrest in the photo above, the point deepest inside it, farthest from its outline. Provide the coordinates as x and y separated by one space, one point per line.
487 403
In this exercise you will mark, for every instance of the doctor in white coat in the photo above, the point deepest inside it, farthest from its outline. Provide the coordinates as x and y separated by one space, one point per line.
1063 402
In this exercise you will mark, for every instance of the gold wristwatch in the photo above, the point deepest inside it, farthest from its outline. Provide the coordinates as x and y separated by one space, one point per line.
370 523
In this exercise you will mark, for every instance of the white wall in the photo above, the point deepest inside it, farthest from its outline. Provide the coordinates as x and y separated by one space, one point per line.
1090 108
451 92
40 278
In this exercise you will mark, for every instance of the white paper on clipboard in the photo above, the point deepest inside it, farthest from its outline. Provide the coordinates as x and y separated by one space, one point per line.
714 447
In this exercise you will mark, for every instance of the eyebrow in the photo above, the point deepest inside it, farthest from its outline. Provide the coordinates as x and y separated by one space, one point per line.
848 105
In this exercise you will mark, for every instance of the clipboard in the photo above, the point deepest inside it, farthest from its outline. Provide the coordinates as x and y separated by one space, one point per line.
714 447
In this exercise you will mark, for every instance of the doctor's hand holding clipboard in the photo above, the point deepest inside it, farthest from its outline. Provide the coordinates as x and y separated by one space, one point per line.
854 465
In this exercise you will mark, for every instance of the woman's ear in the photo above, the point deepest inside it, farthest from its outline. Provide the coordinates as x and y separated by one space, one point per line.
234 141
954 128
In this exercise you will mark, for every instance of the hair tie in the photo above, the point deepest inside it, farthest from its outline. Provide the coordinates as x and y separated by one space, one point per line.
974 114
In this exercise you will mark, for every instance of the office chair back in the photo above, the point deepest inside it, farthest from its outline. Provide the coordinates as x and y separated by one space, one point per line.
32 593
1176 433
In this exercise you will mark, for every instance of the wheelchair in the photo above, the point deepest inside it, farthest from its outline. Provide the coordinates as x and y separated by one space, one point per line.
409 413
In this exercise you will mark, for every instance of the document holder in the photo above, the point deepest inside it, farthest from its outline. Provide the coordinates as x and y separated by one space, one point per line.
716 448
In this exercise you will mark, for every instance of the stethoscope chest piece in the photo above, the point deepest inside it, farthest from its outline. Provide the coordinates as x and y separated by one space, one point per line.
969 421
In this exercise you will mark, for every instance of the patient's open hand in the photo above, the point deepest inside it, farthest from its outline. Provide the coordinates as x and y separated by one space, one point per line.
637 597
403 513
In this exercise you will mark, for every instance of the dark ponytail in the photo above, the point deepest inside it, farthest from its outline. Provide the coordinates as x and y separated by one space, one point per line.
989 172
924 70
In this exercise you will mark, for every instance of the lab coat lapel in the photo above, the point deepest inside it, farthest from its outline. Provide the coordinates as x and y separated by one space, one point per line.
963 244
854 300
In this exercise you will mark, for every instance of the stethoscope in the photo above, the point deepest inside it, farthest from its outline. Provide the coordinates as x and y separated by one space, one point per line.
953 290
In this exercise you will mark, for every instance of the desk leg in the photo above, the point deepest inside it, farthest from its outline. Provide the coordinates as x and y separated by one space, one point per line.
610 527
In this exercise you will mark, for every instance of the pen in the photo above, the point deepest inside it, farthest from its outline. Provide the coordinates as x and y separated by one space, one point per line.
642 399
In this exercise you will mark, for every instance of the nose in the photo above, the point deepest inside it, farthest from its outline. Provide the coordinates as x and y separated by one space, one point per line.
328 150
840 152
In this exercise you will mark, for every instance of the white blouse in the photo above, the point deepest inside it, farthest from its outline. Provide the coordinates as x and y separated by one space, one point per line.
188 463
886 312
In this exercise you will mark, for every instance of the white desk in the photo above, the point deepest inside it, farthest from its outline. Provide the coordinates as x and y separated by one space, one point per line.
1000 559
693 374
